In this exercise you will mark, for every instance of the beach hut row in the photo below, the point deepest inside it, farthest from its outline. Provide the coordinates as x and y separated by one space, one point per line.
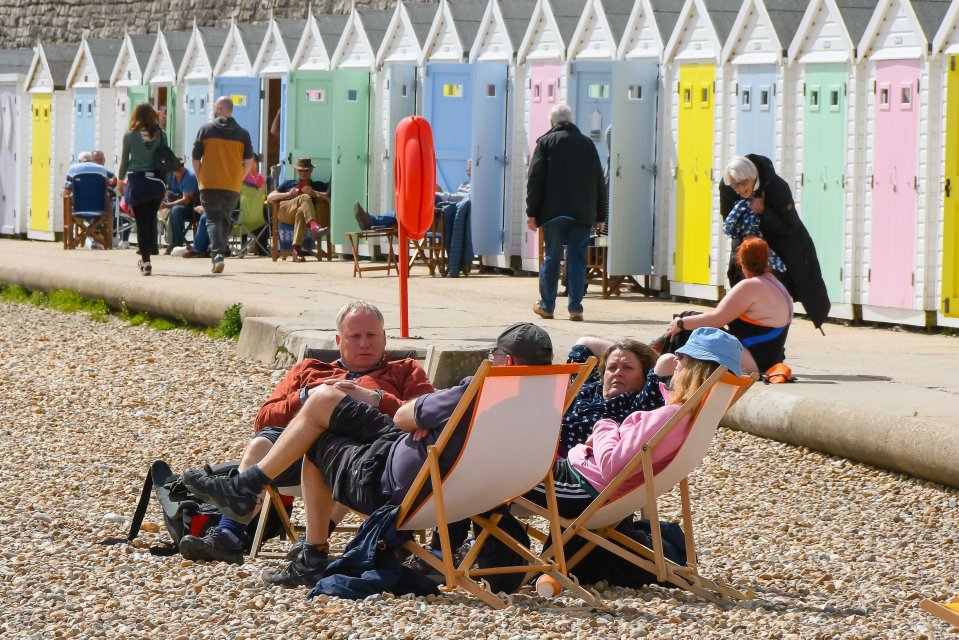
856 103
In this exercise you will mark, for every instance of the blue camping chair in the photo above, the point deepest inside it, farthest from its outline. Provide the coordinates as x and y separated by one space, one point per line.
88 212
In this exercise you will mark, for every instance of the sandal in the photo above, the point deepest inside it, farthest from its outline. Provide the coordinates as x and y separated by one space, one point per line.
145 267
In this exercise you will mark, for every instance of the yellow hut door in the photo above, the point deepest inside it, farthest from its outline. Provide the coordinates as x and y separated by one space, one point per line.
40 164
694 174
950 232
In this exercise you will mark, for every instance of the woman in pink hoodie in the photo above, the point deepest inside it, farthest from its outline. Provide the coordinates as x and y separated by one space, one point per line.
591 466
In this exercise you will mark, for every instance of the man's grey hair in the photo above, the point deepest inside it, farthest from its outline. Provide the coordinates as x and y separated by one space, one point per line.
353 307
560 113
84 156
739 169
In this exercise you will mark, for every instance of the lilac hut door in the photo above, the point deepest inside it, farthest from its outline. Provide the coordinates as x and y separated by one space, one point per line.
894 197
543 95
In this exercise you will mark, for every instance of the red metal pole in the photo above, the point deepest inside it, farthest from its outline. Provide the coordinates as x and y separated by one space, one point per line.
404 258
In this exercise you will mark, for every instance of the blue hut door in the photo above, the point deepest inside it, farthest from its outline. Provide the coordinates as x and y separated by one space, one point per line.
308 124
402 79
245 93
756 110
84 120
632 168
351 137
198 111
592 101
488 158
448 105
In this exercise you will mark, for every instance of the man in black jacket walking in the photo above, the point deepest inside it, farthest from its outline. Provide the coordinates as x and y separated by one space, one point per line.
566 196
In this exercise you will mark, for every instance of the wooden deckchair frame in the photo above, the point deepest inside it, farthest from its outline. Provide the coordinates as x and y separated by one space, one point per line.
462 575
941 611
652 560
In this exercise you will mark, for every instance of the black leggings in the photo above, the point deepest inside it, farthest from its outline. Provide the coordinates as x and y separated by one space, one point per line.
145 214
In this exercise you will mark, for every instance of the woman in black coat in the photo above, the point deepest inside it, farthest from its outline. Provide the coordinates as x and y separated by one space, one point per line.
753 177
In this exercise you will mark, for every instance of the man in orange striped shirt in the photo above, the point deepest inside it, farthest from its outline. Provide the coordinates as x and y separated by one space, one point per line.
222 156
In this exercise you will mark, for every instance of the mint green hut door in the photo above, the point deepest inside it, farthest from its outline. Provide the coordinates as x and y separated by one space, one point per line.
351 137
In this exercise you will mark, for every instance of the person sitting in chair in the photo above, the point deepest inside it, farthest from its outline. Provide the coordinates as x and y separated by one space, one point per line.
368 221
362 371
181 199
297 207
591 466
357 455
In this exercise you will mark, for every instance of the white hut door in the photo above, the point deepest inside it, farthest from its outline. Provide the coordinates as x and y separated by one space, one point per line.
894 189
632 168
8 167
402 79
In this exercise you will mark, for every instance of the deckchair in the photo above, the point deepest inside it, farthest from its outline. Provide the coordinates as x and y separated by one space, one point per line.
510 446
597 524
948 611
275 495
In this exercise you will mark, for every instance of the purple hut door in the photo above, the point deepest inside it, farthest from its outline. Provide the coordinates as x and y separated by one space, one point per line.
894 185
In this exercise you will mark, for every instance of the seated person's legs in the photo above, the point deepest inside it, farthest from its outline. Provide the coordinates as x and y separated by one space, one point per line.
367 221
180 217
201 242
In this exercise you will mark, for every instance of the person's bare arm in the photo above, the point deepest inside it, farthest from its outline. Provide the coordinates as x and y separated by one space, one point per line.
731 307
596 345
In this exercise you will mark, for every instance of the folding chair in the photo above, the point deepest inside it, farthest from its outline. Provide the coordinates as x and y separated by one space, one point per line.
281 246
248 222
275 495
430 250
597 524
510 445
948 611
88 212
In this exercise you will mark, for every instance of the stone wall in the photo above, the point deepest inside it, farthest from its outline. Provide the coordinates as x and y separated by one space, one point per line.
67 20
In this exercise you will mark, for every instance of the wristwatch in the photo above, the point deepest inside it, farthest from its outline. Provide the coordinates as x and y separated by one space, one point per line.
680 324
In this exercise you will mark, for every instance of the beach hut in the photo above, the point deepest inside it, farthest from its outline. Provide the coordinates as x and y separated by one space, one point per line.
234 77
466 106
51 128
699 90
500 33
307 124
160 76
828 176
127 77
354 88
94 97
636 89
14 139
898 215
272 64
397 80
195 81
945 51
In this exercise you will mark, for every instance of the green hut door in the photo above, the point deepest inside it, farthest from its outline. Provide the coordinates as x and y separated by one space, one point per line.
309 122
351 112
824 157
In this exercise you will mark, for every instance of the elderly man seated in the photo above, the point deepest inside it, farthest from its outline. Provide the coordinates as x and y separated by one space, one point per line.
356 455
297 207
362 372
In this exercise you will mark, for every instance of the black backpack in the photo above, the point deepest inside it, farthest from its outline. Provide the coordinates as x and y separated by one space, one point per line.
185 513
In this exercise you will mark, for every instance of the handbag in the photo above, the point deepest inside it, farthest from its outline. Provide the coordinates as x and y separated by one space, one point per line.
164 160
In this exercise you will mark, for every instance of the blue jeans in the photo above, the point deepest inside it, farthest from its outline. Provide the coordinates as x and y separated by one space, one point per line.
180 217
388 219
575 235
201 241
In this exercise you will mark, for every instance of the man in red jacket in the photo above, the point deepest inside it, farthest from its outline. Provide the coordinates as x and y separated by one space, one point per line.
362 372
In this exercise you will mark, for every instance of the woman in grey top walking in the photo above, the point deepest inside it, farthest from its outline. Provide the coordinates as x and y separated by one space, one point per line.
144 189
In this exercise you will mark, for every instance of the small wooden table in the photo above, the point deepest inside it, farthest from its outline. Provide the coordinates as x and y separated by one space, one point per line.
355 237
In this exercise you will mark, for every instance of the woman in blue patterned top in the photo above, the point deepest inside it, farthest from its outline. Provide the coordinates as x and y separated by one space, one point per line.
622 383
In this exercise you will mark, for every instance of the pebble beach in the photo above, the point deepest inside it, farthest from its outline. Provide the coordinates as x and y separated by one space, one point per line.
831 548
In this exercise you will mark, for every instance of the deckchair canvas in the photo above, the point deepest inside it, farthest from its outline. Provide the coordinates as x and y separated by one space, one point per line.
597 524
510 446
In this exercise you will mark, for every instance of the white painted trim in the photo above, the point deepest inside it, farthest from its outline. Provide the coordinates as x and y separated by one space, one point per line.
311 33
875 26
83 53
126 49
272 38
400 22
593 8
645 9
235 38
842 54
354 25
739 28
684 17
444 16
543 10
948 26
492 19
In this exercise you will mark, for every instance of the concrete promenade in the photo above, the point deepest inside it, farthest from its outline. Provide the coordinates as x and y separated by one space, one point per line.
877 395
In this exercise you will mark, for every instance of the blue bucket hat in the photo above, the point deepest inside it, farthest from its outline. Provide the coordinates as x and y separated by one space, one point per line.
714 345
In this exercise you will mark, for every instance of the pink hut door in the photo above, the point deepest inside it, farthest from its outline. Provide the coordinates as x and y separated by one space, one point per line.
543 95
894 185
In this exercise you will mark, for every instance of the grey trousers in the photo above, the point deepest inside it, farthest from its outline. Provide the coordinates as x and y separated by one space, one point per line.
219 204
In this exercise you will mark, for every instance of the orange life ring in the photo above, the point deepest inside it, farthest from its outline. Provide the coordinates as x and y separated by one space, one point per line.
414 175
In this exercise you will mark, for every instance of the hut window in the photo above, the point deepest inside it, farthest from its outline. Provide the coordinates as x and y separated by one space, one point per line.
745 99
905 96
687 96
884 96
764 99
635 92
316 95
704 97
814 98
491 91
536 92
598 91
79 108
834 98
404 90
351 95
451 90
550 90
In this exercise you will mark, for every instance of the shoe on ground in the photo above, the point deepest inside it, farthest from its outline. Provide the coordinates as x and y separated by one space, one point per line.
168 250
362 217
193 253
123 244
218 264
576 316
420 566
316 232
304 571
297 548
235 503
217 545
145 267
296 256
541 312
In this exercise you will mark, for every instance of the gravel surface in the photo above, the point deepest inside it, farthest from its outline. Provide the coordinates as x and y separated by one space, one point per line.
832 549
